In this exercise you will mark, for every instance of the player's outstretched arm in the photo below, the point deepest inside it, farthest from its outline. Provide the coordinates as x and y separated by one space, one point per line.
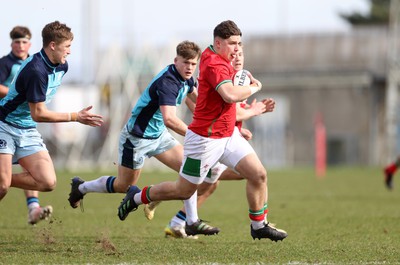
40 113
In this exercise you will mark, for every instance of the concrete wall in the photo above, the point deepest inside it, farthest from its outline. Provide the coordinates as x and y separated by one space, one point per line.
341 76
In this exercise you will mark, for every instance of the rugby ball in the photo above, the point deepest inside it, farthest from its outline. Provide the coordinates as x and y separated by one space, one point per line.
241 78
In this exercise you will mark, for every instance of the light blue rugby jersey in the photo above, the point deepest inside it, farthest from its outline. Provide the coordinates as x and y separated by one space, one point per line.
167 88
37 81
9 66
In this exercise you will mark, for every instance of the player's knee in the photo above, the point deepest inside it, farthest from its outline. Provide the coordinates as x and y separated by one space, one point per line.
263 176
49 185
3 190
259 177
207 189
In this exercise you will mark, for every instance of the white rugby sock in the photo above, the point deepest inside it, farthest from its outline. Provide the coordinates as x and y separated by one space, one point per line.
97 185
175 221
191 209
33 205
257 224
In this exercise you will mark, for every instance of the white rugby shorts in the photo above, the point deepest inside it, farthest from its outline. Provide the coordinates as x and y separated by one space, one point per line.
201 155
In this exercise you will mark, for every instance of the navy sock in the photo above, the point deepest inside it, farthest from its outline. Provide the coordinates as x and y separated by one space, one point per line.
30 200
110 184
181 215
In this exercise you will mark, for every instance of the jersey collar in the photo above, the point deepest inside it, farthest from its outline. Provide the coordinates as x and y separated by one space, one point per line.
15 58
46 59
176 73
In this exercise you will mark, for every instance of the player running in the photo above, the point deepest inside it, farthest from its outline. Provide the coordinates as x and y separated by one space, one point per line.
212 137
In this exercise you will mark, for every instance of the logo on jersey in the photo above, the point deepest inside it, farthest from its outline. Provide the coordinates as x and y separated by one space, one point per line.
3 144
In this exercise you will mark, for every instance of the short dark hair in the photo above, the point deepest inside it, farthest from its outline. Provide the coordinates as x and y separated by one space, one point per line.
226 29
20 32
57 32
188 50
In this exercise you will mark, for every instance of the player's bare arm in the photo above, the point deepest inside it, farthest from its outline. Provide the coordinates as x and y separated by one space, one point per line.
255 108
191 100
172 121
231 93
3 91
190 104
40 113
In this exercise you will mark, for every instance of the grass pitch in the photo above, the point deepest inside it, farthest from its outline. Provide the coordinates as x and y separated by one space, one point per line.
346 217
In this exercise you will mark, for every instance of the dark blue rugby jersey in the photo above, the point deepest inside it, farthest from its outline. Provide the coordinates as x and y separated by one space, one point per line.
37 81
9 66
167 88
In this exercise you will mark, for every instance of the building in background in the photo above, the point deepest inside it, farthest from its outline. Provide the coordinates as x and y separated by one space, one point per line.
342 77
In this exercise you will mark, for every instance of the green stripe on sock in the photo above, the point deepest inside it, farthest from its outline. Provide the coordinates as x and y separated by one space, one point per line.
148 193
259 212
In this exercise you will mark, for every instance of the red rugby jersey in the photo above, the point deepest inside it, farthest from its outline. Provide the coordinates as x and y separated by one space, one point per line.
213 117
